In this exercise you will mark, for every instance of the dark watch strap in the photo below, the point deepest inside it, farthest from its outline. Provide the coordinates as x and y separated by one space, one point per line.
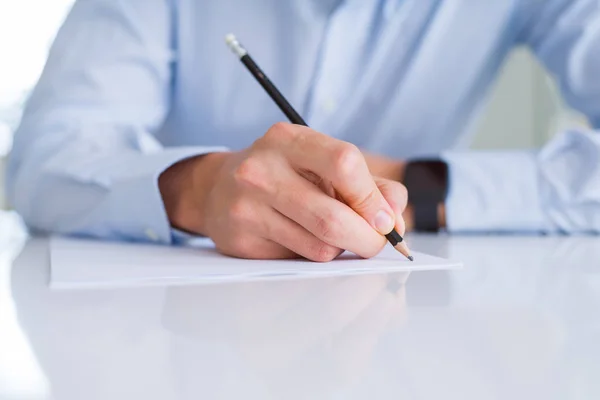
427 185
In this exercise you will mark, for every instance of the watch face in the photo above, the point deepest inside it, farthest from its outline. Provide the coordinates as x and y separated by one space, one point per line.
426 181
427 185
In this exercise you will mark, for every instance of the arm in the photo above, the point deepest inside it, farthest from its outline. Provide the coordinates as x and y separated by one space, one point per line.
85 159
554 189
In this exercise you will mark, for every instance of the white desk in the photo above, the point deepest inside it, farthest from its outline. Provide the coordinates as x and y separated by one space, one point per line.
521 321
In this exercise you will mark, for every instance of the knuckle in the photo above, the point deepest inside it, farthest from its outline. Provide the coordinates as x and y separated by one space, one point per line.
259 144
370 199
251 172
324 253
348 159
329 227
279 131
240 213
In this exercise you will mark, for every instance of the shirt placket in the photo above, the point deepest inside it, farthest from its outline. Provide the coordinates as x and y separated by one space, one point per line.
346 36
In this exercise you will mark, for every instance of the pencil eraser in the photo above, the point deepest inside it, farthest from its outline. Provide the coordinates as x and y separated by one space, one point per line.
229 38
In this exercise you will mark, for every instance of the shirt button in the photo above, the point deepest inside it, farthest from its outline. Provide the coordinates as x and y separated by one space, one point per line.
150 234
329 105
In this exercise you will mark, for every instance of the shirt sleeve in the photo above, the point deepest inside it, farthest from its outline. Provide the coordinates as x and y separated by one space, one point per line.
85 159
554 190
557 188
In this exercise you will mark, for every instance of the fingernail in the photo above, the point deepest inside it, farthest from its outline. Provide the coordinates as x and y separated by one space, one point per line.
384 222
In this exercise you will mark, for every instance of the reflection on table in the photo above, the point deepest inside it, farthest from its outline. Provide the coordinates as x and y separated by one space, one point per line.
520 321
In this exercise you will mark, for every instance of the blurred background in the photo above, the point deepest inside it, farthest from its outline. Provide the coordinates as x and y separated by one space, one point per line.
27 28
523 111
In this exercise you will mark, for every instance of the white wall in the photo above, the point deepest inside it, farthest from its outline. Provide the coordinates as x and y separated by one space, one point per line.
525 109
27 27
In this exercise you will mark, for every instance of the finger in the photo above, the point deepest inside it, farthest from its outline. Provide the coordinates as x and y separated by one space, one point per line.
328 219
342 164
397 197
268 179
289 234
408 216
248 246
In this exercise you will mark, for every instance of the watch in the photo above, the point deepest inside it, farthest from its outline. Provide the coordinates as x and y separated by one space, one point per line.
427 185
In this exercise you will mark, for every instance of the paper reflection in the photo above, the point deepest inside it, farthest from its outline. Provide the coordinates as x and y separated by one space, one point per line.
297 337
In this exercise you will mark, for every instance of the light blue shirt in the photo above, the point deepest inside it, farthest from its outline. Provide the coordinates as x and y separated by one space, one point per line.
133 86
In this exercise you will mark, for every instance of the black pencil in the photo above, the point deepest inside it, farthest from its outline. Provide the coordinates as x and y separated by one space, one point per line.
393 237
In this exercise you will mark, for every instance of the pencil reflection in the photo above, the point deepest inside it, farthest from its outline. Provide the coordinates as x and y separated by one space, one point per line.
297 337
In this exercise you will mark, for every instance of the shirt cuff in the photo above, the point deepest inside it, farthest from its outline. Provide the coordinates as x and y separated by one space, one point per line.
493 191
181 238
145 218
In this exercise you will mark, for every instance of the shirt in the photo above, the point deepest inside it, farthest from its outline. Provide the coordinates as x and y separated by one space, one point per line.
134 86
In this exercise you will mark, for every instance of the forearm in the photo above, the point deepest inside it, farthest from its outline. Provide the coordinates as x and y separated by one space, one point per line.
92 180
85 159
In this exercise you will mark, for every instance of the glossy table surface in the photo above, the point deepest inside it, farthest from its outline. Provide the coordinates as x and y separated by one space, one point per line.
520 321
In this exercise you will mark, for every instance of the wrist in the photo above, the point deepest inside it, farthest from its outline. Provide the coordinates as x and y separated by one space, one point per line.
385 167
441 212
185 188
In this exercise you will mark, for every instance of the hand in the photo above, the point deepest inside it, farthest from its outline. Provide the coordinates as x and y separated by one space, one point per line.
394 170
293 192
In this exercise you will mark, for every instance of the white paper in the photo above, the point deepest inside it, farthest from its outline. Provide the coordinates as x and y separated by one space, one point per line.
79 263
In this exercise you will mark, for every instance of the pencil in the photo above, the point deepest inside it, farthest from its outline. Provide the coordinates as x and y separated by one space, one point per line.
395 239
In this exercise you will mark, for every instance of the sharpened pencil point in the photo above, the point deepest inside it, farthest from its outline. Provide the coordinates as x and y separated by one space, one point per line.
411 258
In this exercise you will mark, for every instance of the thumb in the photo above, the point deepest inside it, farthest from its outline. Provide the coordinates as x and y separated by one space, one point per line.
397 197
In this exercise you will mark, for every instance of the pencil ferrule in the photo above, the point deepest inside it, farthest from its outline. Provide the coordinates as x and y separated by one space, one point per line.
394 238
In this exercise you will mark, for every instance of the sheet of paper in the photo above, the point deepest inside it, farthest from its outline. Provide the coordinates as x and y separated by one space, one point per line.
79 263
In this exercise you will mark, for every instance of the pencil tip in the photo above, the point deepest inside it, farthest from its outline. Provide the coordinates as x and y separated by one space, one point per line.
411 258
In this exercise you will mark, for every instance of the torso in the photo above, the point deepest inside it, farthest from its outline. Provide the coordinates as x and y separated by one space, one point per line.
400 77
